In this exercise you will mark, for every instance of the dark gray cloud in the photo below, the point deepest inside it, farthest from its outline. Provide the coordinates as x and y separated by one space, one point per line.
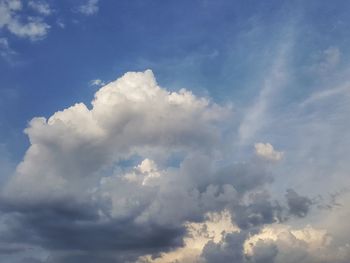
245 176
10 249
298 205
31 260
57 229
89 226
306 246
230 249
259 211
264 251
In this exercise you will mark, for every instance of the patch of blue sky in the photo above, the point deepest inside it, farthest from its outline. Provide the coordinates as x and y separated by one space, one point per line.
221 49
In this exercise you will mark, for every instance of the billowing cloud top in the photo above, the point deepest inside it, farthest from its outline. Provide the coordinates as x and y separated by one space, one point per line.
130 116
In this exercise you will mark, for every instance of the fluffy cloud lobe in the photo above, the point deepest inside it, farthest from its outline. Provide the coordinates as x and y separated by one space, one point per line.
266 151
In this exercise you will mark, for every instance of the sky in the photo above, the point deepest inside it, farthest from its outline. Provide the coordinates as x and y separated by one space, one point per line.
158 131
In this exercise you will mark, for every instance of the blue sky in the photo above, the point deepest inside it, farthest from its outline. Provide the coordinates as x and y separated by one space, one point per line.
220 49
261 117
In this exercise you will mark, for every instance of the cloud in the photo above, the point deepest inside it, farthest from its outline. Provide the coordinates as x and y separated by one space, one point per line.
41 7
308 244
22 26
258 211
277 245
324 95
119 211
97 82
326 60
128 178
230 249
256 116
298 205
34 29
199 234
264 251
85 192
332 57
266 151
5 49
60 23
89 8
112 131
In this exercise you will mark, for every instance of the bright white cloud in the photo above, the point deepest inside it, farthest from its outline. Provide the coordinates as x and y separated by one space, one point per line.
266 150
131 115
145 173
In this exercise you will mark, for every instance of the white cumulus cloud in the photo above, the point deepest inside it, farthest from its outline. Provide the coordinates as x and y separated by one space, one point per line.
266 150
131 115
